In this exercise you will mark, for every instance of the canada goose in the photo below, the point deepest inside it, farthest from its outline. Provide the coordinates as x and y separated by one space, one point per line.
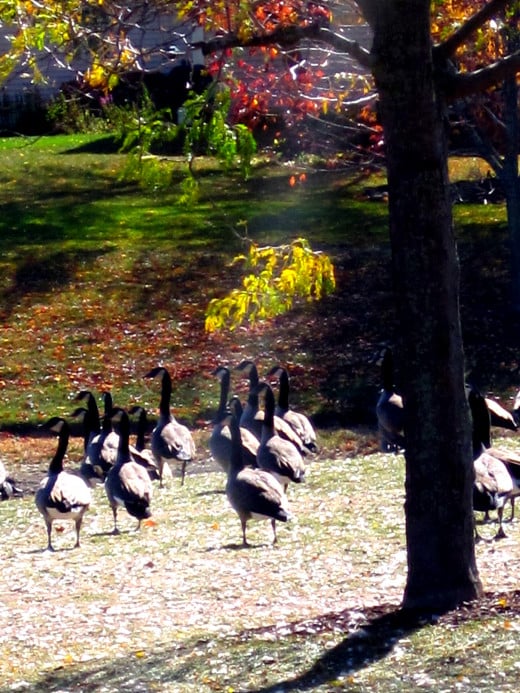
8 487
170 439
252 416
275 454
299 422
128 483
389 408
139 452
91 473
481 432
492 488
61 495
494 485
252 493
101 447
220 440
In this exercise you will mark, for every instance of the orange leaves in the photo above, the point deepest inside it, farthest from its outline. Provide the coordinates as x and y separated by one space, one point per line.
297 179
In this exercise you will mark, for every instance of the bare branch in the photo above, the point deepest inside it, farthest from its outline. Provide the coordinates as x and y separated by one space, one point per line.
347 46
465 83
447 48
289 35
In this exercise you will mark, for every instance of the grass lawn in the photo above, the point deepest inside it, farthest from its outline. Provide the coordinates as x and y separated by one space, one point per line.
181 606
100 282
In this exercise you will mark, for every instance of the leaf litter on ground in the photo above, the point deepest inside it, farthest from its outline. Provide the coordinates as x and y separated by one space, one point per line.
181 606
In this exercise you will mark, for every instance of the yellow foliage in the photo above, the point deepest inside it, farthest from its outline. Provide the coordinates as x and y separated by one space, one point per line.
276 277
96 76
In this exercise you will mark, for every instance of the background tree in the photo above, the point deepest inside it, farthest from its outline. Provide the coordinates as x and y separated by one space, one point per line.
488 121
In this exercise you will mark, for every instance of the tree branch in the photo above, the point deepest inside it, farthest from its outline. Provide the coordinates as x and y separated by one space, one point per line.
289 35
462 84
447 48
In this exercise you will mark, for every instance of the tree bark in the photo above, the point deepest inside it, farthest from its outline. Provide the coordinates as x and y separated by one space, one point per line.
509 175
511 184
442 569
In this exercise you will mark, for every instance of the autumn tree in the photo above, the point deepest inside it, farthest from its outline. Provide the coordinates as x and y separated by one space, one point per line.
416 80
489 121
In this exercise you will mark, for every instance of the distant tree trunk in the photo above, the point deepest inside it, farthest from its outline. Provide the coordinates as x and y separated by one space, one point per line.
442 569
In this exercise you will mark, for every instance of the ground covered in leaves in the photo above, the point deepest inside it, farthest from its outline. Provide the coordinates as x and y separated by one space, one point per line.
181 606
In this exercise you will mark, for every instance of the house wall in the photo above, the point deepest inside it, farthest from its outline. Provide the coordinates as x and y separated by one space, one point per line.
158 44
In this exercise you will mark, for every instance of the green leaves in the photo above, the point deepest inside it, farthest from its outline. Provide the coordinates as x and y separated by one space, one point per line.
207 130
277 276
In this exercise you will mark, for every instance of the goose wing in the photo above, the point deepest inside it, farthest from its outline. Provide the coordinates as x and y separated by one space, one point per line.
135 481
173 441
259 494
279 456
491 475
302 427
65 493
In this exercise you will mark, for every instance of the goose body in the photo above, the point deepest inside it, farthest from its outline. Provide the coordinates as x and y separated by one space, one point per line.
511 462
300 423
128 484
139 452
254 494
275 454
220 443
492 488
100 442
8 487
171 440
494 484
389 409
62 495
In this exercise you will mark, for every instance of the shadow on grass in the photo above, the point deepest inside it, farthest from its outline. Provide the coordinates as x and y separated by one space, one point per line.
373 641
374 634
186 664
102 145
44 273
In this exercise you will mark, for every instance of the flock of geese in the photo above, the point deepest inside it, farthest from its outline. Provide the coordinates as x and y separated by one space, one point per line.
496 470
261 450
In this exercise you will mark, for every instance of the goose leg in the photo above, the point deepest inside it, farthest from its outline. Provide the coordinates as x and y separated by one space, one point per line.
49 532
244 539
114 512
78 528
500 534
273 524
161 465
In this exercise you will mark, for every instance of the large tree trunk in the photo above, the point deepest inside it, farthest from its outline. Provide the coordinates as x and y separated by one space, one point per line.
442 570
509 174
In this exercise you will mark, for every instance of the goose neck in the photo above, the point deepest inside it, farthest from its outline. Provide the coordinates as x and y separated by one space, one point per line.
56 465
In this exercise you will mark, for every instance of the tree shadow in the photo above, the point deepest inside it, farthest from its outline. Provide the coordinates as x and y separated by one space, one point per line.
43 273
371 635
382 628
